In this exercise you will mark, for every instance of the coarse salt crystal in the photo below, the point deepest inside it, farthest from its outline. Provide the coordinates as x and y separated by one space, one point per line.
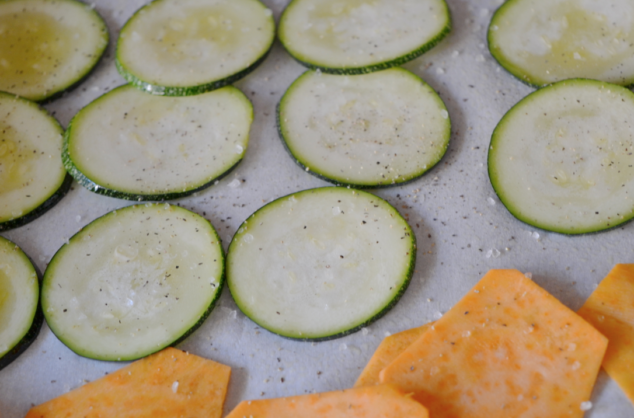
493 253
585 406
235 183
175 386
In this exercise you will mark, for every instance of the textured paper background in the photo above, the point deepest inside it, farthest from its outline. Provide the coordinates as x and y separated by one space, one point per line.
459 223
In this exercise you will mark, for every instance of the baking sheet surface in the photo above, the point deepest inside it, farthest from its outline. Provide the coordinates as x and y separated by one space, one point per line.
461 228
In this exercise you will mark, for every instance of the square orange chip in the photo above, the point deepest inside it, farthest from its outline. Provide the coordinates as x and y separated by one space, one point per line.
378 401
507 349
389 349
168 384
610 308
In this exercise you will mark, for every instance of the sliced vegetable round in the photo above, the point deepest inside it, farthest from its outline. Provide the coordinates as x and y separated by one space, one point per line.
133 145
370 130
360 36
321 263
544 41
32 176
186 47
562 158
48 45
133 282
20 315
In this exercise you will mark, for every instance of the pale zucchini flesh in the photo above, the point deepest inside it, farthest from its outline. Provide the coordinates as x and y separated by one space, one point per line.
544 41
20 316
321 263
32 176
360 36
133 282
371 130
133 145
186 47
562 158
48 45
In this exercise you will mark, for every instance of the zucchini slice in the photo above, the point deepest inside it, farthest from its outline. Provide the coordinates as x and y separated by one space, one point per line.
133 145
544 41
133 282
48 46
361 36
562 158
320 264
32 176
371 130
20 314
187 47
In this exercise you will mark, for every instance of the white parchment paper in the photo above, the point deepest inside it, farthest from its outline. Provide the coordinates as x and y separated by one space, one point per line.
461 228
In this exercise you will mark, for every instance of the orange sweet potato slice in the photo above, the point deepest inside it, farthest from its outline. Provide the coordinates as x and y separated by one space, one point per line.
507 349
389 349
610 308
168 384
380 401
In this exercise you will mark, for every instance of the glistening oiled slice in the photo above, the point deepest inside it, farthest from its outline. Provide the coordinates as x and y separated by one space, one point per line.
32 177
544 41
360 36
185 47
133 145
369 130
321 263
20 315
133 282
562 159
48 45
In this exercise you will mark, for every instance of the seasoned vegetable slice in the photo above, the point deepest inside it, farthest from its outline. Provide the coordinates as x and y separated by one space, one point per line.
48 45
544 41
20 315
133 145
167 384
609 308
360 36
32 177
382 401
186 47
506 349
321 263
562 159
390 348
370 130
133 282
